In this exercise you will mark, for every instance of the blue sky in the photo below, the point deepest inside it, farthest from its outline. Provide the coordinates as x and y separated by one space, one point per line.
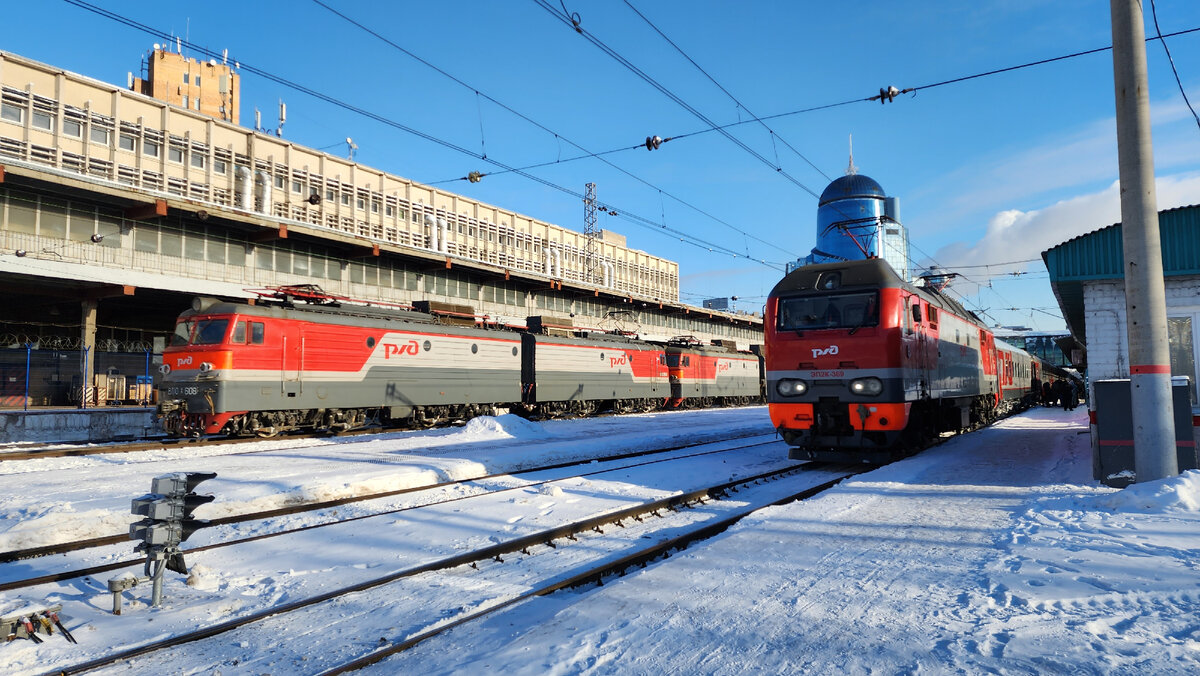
989 170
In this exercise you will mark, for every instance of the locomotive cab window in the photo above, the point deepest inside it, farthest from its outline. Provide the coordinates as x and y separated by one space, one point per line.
210 331
256 333
916 314
845 310
239 333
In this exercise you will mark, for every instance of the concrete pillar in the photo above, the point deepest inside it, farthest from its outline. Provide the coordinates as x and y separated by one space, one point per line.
87 344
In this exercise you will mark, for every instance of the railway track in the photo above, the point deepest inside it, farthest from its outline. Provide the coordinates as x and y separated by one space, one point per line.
597 466
501 575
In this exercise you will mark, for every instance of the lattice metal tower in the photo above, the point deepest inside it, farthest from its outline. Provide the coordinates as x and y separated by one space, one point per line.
590 231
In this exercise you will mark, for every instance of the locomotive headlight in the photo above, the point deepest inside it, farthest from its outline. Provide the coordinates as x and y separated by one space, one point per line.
790 387
164 369
866 386
205 366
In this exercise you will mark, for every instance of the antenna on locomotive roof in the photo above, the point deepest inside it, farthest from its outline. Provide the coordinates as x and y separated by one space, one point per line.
851 169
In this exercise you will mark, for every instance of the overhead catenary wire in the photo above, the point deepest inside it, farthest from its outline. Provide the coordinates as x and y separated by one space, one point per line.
1171 59
623 213
616 56
587 154
726 92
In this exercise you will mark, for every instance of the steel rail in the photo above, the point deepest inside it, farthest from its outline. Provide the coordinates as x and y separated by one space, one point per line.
493 552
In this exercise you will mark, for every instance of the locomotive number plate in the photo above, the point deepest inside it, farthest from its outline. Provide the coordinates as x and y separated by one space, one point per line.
826 374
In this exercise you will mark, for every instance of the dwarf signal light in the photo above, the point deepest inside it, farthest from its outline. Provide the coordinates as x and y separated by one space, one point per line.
168 522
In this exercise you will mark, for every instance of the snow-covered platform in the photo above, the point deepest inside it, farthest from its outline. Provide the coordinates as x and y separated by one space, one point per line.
73 424
995 552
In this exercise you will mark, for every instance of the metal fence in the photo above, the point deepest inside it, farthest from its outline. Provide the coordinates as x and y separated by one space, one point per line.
48 377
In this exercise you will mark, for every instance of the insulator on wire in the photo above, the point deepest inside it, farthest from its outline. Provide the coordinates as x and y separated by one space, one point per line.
474 176
653 142
887 94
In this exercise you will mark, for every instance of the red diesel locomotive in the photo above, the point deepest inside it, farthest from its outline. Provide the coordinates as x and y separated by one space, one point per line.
863 366
281 365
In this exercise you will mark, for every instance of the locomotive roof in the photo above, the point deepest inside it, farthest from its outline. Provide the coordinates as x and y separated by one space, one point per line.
872 273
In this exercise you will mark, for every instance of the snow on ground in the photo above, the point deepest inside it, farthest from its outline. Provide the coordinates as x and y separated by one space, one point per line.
993 553
62 499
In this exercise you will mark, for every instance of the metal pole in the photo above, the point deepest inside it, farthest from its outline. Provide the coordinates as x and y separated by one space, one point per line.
1145 295
143 393
83 389
28 353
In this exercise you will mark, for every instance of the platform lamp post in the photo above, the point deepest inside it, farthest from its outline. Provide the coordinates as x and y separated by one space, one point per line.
1145 294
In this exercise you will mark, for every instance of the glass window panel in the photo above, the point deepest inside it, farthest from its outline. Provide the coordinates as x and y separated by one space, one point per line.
99 135
43 120
193 247
1183 351
22 216
108 227
283 260
216 250
145 238
264 258
54 219
150 148
72 128
300 264
171 243
236 254
11 113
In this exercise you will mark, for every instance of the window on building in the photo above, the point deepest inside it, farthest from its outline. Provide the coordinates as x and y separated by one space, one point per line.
279 182
186 77
43 120
220 166
175 154
186 102
12 113
199 160
72 128
1183 350
150 148
197 83
127 142
297 187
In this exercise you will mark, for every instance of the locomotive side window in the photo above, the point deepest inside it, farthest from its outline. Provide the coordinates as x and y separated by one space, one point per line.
847 310
256 333
239 333
933 314
183 333
917 314
210 331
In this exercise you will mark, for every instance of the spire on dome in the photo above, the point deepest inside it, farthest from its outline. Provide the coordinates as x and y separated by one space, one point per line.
851 169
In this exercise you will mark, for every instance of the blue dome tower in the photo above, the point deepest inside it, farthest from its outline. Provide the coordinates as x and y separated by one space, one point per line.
856 220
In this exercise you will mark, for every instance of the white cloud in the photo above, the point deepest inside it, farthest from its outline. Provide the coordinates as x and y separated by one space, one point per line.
1020 235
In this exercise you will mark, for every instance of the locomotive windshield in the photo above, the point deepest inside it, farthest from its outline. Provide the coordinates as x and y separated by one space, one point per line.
839 311
203 332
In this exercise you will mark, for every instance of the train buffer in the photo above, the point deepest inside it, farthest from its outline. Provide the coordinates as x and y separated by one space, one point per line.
29 621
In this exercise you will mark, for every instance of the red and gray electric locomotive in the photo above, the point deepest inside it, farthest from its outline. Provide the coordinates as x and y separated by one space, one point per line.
281 365
863 366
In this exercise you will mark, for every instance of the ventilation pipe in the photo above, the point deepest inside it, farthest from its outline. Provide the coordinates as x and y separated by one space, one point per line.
433 232
558 271
443 232
608 274
244 187
262 190
548 261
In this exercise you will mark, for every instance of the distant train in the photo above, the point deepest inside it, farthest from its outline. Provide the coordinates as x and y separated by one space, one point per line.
863 366
301 360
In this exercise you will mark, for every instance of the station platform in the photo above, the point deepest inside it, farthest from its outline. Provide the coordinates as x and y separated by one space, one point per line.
94 425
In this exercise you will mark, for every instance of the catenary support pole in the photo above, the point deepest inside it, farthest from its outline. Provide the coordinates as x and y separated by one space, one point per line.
1145 295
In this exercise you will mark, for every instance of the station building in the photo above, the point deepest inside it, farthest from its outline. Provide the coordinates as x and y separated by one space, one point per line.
117 207
1087 276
